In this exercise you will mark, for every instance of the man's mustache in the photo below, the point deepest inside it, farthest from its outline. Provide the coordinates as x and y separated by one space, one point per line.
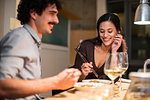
52 23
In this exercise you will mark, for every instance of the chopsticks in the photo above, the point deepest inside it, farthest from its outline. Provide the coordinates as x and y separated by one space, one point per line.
85 60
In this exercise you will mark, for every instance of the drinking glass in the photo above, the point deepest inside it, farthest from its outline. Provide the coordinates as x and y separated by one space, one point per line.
123 57
112 67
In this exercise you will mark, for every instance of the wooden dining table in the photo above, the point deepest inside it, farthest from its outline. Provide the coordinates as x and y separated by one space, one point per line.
71 94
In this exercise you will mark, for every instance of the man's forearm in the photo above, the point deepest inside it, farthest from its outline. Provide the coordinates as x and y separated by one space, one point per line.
15 88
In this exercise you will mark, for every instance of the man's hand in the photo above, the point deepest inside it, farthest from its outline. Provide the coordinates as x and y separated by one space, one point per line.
67 78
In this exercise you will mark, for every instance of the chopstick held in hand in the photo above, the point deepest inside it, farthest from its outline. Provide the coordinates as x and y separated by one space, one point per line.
84 59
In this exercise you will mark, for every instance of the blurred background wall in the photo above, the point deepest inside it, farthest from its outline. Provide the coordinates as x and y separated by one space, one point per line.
85 28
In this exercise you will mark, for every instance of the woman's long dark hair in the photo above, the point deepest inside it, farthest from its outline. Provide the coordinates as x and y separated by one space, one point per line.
116 21
107 17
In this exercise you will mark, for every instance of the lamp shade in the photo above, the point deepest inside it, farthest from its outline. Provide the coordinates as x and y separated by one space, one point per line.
142 15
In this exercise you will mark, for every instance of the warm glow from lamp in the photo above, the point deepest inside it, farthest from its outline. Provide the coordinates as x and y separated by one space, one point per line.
142 22
142 15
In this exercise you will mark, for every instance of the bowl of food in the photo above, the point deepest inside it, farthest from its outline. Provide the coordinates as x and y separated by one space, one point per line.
85 86
108 82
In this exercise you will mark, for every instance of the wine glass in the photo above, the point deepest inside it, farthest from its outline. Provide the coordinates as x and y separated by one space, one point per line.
112 67
124 63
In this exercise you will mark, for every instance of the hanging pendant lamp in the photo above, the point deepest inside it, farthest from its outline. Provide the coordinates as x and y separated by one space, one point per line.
142 15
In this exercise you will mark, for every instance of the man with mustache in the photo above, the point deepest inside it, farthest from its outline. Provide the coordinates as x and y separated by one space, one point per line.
20 67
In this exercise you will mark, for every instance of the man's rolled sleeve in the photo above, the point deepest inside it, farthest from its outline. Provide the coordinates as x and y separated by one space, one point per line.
10 66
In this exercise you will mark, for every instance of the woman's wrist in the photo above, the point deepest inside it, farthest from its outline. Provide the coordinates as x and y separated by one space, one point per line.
114 51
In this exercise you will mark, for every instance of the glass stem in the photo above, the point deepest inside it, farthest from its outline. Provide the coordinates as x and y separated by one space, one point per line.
120 87
113 87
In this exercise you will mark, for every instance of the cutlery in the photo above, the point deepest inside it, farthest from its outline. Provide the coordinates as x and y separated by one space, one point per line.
85 60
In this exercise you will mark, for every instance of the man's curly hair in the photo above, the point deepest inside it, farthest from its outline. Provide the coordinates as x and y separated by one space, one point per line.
25 6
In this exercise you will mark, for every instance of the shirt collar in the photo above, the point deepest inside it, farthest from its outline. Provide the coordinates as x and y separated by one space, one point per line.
33 33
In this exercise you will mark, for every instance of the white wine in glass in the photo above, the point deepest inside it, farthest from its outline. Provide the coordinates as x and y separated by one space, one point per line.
124 70
124 63
113 73
112 67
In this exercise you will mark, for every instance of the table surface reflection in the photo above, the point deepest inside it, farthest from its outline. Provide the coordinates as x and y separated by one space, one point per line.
70 94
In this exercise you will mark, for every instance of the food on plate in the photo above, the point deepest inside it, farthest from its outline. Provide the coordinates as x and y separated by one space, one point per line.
96 81
108 82
86 85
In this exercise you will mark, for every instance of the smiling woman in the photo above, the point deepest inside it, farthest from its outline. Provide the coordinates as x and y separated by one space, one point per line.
96 51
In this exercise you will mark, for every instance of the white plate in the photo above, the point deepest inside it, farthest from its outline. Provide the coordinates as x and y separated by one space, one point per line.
85 86
125 80
97 81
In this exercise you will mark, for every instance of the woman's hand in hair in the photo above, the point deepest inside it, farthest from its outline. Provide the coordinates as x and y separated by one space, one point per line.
116 43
